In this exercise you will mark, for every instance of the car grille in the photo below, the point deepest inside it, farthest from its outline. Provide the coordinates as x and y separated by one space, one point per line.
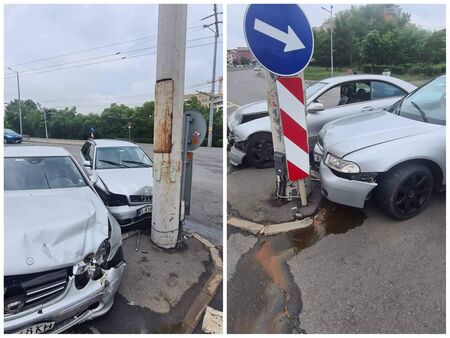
37 288
140 198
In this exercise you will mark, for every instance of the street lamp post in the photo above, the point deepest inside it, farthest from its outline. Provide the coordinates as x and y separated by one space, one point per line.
331 47
18 90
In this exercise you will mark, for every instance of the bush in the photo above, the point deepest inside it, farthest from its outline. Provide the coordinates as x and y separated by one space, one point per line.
398 70
417 69
367 69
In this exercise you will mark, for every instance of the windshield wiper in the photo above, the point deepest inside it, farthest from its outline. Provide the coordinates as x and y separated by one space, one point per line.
424 117
114 163
137 162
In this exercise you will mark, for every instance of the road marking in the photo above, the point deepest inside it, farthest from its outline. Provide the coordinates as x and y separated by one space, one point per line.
233 104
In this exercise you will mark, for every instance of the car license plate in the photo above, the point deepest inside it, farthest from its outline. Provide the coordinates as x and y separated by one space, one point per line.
38 328
145 210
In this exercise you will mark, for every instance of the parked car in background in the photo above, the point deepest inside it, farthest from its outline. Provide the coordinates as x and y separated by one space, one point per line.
397 155
10 136
249 130
63 258
122 174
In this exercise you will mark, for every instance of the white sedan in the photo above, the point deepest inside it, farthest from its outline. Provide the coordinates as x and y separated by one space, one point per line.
249 131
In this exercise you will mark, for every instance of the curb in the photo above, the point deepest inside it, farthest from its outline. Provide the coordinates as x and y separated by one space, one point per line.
209 290
271 229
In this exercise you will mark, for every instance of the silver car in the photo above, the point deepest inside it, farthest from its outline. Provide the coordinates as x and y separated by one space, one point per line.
249 132
122 174
397 155
63 258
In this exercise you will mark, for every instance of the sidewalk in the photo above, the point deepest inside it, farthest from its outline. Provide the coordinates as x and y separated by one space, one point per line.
162 291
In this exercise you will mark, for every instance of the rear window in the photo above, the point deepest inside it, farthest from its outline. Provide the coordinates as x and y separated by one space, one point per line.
24 173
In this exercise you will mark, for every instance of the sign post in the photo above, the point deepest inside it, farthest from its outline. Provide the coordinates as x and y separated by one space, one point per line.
281 40
129 129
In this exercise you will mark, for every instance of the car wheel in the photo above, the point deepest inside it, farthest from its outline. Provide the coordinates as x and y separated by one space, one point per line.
405 190
260 150
5 141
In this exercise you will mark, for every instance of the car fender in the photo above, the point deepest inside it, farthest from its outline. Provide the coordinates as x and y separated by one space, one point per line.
382 157
243 131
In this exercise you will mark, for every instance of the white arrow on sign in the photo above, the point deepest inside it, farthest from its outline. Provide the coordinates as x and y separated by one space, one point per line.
290 39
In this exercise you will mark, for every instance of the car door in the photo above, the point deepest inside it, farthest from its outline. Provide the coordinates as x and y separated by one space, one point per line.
343 100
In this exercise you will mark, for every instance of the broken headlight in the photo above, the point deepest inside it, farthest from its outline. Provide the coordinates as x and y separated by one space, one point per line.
91 267
341 165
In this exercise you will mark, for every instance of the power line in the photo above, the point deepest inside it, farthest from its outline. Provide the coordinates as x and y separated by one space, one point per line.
33 71
91 49
105 61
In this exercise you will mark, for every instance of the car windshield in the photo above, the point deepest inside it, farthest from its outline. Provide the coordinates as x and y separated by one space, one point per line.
9 131
121 157
426 104
314 88
23 173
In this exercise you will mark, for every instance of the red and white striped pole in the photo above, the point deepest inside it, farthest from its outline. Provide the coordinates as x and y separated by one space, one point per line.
293 122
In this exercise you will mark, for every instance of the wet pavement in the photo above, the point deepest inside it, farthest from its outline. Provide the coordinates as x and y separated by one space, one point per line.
281 284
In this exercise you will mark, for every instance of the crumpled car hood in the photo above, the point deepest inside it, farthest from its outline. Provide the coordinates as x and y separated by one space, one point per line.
51 229
248 109
351 134
128 181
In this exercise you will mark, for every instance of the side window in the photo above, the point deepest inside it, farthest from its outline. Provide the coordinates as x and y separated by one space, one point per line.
381 90
347 93
359 91
331 97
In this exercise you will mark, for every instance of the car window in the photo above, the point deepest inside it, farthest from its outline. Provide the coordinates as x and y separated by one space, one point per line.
121 157
23 173
346 93
381 90
427 103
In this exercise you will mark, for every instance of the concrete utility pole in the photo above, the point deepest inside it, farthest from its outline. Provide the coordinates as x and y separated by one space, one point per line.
18 90
168 211
213 80
331 38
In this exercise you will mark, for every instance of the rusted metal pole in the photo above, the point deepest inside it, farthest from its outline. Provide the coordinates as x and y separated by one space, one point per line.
168 125
277 133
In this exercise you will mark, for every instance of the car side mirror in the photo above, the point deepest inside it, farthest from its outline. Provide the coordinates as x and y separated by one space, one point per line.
87 163
315 107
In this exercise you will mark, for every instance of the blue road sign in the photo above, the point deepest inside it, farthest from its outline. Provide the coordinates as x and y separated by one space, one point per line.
279 37
92 130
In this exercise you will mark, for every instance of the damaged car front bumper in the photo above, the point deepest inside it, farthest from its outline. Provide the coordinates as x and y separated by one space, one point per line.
344 191
72 306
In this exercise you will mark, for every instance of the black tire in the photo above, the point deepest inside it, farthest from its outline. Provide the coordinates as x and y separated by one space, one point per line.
5 141
405 190
260 150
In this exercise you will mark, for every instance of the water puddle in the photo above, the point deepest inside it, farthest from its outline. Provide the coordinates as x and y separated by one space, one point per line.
262 297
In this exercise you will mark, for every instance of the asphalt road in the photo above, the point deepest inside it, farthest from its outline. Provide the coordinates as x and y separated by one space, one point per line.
206 203
356 272
244 86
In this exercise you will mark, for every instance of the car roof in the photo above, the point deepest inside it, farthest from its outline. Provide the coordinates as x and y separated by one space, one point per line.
353 77
35 151
104 142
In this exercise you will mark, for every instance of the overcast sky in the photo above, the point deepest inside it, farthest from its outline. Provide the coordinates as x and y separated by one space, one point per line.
431 17
34 32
